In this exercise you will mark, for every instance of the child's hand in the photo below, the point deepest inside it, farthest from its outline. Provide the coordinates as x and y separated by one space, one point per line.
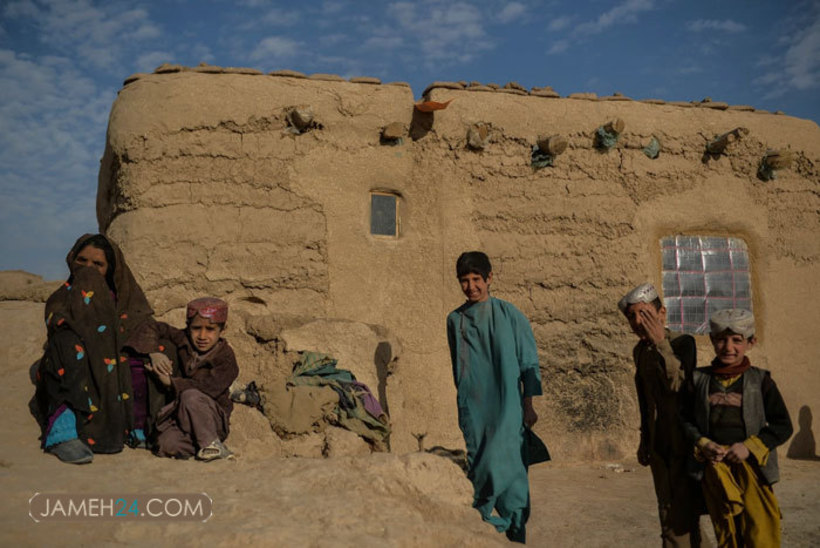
164 379
713 452
643 454
530 416
160 364
737 453
652 325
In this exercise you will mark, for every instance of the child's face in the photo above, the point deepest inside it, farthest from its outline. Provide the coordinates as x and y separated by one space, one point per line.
475 288
637 313
731 348
203 334
93 257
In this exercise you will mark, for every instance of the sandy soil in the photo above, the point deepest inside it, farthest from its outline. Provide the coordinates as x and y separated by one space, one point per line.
378 500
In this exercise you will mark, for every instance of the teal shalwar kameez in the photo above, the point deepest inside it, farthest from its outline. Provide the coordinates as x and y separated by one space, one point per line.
495 365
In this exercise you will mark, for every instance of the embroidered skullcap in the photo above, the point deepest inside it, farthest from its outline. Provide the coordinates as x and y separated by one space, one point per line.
644 293
211 308
736 320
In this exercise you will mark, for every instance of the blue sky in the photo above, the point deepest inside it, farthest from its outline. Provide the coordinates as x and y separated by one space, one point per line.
62 62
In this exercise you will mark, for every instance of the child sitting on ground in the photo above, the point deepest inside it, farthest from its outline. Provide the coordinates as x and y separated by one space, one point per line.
197 421
735 417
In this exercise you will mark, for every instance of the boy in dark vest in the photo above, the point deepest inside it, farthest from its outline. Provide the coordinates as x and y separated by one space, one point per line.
735 417
664 361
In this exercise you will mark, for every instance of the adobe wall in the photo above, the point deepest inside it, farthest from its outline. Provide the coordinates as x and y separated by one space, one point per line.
207 192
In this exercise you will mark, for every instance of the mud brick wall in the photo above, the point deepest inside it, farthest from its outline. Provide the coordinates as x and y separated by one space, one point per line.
209 189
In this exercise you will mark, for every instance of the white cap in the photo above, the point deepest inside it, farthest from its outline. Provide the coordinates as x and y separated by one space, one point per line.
736 320
644 293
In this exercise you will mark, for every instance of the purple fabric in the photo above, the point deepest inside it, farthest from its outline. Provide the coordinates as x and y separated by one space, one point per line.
371 404
53 418
139 389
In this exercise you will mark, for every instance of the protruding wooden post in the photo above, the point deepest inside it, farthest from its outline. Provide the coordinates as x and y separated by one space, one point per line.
552 144
616 126
478 136
607 135
393 133
301 119
719 144
546 149
772 161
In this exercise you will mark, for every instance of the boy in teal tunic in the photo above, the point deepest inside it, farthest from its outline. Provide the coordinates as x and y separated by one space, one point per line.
495 368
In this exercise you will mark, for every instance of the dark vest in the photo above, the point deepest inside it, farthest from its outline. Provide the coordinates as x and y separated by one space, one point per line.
754 415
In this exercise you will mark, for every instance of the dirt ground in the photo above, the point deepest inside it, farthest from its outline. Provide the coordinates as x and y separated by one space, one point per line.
414 499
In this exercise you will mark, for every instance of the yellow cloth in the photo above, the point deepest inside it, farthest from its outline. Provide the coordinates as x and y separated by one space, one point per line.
743 508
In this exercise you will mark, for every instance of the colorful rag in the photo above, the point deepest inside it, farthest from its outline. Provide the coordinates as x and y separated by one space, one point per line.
358 410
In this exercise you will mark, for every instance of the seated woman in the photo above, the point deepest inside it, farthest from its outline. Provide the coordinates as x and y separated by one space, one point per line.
92 397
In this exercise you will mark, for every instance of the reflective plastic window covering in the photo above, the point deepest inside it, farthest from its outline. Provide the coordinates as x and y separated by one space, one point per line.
702 275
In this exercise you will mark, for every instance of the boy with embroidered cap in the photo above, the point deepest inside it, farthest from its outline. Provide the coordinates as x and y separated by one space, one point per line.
664 361
736 417
198 420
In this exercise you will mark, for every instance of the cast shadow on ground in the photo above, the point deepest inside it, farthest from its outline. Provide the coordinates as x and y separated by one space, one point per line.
803 446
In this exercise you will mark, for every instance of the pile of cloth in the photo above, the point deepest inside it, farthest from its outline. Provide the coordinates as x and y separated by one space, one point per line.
316 394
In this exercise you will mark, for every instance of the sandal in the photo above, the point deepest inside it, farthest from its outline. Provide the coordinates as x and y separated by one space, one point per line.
214 450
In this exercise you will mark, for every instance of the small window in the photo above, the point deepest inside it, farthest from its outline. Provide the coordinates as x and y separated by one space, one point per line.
701 275
384 214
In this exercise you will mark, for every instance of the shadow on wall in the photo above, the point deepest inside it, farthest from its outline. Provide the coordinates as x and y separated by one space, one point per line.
421 124
803 445
382 359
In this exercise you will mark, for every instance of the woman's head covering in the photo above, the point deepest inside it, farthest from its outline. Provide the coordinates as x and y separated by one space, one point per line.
129 296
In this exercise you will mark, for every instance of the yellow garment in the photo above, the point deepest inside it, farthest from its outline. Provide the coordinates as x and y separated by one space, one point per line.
743 508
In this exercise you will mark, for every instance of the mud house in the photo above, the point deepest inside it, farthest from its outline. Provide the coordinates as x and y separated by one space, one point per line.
330 213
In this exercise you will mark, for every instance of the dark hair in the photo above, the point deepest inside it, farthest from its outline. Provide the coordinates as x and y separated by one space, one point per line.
473 262
99 241
220 325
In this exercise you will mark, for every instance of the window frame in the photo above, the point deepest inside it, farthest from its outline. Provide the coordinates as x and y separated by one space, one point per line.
397 197
713 297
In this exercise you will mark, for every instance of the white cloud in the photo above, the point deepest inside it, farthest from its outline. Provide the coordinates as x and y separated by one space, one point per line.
446 32
802 59
23 8
626 12
689 69
330 8
767 61
279 17
798 67
558 46
275 47
380 43
148 61
200 53
332 39
711 24
559 23
97 35
511 12
54 118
